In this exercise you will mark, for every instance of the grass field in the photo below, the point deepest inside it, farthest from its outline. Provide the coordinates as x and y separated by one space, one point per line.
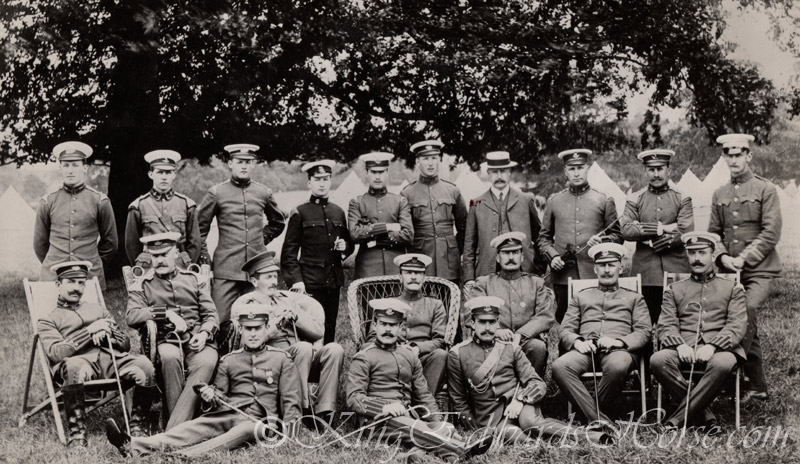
755 443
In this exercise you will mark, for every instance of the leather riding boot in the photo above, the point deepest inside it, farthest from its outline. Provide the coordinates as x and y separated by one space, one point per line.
143 399
74 399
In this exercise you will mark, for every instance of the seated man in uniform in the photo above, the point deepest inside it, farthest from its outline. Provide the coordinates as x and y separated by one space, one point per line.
257 379
425 322
297 326
530 305
386 379
608 323
75 336
491 379
181 306
720 304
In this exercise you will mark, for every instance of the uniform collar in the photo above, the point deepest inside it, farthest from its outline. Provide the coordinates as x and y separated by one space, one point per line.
658 190
319 200
384 346
241 183
428 180
72 190
62 303
411 296
703 278
743 177
377 192
482 344
162 195
579 190
169 276
510 275
254 350
608 288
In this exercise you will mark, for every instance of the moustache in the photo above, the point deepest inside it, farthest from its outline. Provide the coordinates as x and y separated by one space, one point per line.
605 276
696 263
487 332
511 261
387 334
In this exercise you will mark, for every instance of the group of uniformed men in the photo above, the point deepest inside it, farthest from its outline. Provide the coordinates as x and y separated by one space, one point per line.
497 248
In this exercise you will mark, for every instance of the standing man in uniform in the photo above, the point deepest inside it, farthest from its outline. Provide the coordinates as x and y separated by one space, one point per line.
491 381
162 209
501 209
297 327
607 322
186 320
75 337
379 221
720 304
426 321
528 304
258 379
575 219
317 241
239 204
70 220
746 213
655 218
436 208
385 380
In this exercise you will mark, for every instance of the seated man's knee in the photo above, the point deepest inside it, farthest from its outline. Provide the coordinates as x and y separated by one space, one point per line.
660 360
721 362
333 351
301 350
438 355
619 365
77 370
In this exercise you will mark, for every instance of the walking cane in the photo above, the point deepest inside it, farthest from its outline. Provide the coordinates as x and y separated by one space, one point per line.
596 392
119 385
500 431
361 429
691 370
218 396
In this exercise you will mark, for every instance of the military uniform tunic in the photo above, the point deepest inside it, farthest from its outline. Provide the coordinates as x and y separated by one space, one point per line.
68 224
746 214
261 382
69 347
437 208
155 213
189 298
489 217
308 256
571 217
718 304
650 205
367 217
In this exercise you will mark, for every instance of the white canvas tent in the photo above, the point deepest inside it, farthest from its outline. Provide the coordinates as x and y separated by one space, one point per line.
471 185
701 200
16 227
351 187
599 180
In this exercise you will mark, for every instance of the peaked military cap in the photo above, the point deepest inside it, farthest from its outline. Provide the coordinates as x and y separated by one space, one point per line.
733 144
157 243
163 159
575 157
389 308
698 239
413 261
656 157
318 168
607 252
427 147
72 151
483 306
242 150
71 269
509 241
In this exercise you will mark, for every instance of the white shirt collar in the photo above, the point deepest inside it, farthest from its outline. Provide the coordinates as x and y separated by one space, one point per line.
497 193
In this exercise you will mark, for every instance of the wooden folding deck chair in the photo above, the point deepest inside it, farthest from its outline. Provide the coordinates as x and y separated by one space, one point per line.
42 298
633 283
669 279
361 291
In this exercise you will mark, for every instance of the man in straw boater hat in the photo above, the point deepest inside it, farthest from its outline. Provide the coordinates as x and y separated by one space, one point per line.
746 214
437 208
181 306
75 222
297 325
492 383
385 385
499 210
162 209
83 343
607 323
654 218
703 321
379 221
240 205
254 393
575 219
426 321
528 306
317 242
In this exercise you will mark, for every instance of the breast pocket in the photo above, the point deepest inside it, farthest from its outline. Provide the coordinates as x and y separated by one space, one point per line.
179 222
751 208
315 233
151 225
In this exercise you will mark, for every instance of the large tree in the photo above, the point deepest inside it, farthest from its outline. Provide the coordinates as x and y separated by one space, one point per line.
334 78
